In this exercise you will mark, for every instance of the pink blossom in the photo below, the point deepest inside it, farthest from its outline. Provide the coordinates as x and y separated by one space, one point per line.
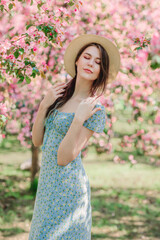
116 159
142 55
3 136
3 2
114 119
109 132
138 84
133 161
3 109
122 161
157 118
155 43
131 157
140 119
118 90
152 160
139 132
24 109
1 98
29 70
146 137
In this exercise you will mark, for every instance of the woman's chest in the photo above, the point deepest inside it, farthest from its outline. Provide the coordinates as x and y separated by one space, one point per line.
58 122
69 107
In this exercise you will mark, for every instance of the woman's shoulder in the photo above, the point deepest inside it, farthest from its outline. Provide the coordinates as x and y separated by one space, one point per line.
100 104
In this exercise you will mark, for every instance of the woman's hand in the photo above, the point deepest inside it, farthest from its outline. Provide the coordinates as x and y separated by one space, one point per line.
52 94
85 108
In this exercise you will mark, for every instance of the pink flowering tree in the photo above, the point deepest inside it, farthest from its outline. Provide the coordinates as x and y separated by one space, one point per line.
31 50
32 60
134 29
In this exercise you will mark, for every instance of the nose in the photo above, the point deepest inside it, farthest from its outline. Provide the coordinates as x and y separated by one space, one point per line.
90 63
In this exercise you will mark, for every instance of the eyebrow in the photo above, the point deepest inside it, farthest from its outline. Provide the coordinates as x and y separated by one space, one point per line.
91 55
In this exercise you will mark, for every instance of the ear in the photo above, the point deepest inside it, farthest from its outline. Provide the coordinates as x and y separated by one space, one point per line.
76 62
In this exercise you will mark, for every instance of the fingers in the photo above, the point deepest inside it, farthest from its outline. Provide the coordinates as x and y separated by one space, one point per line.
57 83
60 86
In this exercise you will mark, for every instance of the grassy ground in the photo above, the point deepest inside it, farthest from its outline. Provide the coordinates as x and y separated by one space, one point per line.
125 201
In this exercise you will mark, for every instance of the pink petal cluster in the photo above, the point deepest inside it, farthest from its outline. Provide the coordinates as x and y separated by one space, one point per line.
136 84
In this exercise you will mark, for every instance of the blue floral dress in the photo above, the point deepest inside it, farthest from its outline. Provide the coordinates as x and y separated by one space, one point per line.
62 207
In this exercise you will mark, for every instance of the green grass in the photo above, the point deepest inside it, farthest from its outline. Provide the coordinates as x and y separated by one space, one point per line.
125 200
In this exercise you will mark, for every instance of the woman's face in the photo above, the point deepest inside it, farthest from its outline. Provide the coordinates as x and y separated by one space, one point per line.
89 59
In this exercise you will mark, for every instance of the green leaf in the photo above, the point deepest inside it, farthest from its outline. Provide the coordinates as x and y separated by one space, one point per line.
149 57
45 30
49 26
20 81
28 80
21 50
21 76
49 78
4 63
10 6
55 33
138 48
45 44
39 27
1 8
32 64
8 51
35 69
71 3
155 65
47 11
33 74
16 53
40 5
28 26
26 62
10 29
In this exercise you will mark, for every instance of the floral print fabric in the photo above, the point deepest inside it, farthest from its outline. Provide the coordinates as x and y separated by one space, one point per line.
62 207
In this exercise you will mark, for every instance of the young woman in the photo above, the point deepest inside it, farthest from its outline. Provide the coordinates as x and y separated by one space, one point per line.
72 113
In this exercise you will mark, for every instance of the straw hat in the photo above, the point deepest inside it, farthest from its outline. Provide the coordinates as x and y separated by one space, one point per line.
75 45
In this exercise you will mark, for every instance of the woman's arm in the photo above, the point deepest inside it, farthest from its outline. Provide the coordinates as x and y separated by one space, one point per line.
73 142
38 126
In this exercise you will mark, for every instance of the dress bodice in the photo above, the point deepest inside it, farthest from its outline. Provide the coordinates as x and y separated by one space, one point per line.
57 125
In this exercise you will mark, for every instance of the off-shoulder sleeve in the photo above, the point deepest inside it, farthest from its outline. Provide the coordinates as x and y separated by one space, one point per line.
97 121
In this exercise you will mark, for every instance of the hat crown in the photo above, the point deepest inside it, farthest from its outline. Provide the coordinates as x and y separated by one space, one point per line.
77 43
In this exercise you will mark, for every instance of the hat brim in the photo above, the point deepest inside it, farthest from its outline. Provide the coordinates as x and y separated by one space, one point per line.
77 43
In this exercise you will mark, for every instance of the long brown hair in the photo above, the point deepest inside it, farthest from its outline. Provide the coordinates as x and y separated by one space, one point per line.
99 84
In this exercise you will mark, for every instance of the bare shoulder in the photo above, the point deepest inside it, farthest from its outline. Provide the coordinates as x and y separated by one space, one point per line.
99 103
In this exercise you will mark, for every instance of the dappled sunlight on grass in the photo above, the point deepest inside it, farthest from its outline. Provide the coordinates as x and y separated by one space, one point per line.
126 214
125 200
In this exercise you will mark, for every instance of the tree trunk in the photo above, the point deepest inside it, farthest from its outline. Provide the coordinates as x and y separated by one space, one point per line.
35 165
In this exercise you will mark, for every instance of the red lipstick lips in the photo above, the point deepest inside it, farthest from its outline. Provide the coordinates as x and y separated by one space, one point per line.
88 70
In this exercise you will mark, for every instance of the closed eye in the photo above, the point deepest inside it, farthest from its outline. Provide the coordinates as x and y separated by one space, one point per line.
86 57
96 62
